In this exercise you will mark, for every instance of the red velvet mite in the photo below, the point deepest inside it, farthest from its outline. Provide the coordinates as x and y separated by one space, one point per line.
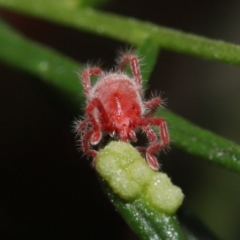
115 106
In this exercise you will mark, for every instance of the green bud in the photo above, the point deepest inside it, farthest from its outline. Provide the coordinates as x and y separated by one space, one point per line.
129 176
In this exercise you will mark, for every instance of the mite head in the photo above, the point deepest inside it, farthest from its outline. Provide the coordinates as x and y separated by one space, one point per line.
125 121
123 127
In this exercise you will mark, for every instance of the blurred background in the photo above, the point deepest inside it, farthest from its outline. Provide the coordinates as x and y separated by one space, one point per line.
47 190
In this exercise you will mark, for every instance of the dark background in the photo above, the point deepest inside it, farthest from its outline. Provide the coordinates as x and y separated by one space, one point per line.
47 190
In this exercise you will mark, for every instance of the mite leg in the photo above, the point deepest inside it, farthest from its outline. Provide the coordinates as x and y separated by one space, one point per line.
134 64
152 105
80 126
86 81
98 117
141 149
154 145
85 144
151 136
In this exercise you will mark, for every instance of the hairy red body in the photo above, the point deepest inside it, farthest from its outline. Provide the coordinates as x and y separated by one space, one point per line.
115 106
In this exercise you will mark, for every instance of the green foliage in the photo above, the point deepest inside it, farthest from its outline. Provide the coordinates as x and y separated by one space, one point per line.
46 63
60 71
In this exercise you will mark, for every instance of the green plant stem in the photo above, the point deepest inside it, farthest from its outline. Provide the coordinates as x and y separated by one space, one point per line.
192 227
60 71
200 142
144 221
148 52
126 29
44 62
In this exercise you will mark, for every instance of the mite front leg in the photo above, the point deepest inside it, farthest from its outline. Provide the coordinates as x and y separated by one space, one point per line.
86 74
80 126
155 145
97 119
134 64
152 105
85 144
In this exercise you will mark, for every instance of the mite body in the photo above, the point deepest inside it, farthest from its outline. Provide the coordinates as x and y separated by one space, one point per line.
115 106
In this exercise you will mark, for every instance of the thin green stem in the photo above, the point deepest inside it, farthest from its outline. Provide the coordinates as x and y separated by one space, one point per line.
201 142
126 29
60 71
44 62
144 221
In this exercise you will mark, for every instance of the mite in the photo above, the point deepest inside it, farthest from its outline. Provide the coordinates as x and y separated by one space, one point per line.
115 106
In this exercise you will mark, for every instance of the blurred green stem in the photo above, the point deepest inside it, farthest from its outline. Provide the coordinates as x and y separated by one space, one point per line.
60 71
125 29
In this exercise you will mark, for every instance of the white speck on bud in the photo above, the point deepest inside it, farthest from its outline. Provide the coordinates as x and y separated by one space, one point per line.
43 66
